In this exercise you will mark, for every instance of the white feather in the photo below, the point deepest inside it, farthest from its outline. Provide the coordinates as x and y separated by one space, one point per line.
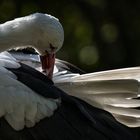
21 106
126 73
115 91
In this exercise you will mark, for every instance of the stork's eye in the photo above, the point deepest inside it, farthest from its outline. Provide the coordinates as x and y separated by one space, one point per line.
52 47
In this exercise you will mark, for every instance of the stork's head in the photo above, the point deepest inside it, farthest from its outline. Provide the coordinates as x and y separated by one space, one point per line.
41 31
49 40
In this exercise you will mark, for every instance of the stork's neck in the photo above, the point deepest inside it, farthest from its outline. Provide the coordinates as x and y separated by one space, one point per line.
11 37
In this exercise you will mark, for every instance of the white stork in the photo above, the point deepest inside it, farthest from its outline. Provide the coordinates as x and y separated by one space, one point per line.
29 98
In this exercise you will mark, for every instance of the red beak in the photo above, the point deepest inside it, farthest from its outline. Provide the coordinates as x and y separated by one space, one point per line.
47 62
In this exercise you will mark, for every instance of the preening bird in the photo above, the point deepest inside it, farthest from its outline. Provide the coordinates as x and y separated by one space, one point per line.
76 105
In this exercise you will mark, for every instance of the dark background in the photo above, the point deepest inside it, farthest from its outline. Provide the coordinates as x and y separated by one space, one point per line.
99 34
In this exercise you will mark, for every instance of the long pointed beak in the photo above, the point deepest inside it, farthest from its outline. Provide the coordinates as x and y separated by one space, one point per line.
48 62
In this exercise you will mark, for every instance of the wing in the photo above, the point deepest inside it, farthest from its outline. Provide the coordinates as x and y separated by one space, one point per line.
116 91
20 105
